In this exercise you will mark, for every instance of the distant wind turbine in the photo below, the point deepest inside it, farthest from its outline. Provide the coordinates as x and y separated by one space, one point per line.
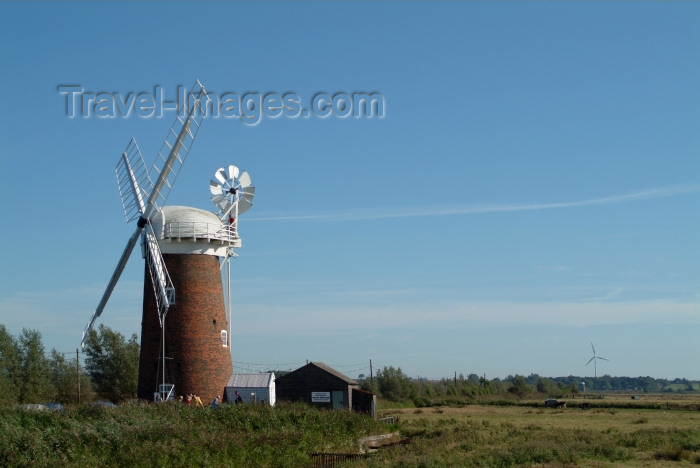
595 361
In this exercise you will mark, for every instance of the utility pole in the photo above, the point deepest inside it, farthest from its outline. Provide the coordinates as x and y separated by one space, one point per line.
77 371
455 379
371 376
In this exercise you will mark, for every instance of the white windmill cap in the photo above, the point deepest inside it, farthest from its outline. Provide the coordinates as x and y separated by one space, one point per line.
184 230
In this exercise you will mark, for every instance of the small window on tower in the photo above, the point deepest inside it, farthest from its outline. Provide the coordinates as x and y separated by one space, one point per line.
224 338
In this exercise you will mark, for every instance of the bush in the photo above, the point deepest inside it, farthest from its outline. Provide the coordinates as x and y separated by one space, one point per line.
670 452
421 402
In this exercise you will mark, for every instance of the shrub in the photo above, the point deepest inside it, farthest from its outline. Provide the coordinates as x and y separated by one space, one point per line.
670 452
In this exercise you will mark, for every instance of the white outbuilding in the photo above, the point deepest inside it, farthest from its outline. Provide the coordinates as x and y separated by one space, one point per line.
253 388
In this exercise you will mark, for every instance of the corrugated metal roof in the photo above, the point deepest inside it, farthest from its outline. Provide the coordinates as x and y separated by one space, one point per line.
251 380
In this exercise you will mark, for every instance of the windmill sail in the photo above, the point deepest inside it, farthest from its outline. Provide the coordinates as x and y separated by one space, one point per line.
162 284
175 148
134 187
133 181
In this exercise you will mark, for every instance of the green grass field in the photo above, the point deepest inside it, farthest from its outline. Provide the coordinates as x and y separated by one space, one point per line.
503 436
653 431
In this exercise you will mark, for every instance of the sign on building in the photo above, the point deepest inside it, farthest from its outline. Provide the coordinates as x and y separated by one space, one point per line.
320 397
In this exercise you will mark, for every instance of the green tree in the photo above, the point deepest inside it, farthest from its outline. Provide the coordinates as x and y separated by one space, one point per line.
483 382
546 386
35 385
72 385
573 388
367 384
519 386
9 368
112 363
393 384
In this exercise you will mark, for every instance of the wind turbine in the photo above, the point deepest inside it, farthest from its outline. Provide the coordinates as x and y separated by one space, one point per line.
595 360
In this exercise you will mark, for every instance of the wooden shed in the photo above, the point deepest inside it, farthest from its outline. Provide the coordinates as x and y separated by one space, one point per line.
253 388
318 385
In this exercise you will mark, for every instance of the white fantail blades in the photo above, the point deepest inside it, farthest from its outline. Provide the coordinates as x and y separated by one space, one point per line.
221 176
244 179
248 193
243 205
246 200
218 199
232 172
215 187
231 192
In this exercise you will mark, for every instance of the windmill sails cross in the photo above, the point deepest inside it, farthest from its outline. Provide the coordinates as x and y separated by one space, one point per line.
135 185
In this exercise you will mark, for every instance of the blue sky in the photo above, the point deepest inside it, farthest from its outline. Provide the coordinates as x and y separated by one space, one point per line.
532 187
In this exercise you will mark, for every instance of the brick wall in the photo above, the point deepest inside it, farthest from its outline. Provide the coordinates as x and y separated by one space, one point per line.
199 364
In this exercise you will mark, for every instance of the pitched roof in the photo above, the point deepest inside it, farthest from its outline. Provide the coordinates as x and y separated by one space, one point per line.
325 368
251 380
330 370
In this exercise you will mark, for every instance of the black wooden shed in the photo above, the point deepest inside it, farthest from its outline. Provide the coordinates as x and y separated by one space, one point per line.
322 386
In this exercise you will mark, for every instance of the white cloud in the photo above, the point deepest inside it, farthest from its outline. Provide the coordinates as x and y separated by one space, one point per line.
312 319
268 308
451 210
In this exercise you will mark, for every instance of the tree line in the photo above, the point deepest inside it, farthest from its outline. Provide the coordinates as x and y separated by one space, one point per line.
110 371
393 384
29 375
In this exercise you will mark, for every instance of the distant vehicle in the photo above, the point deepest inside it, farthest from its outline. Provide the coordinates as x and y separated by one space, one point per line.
55 406
32 407
106 404
552 403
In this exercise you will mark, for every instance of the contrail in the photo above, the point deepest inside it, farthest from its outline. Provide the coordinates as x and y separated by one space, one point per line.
451 210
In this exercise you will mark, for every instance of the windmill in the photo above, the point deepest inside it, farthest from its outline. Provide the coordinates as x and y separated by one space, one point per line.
594 359
181 247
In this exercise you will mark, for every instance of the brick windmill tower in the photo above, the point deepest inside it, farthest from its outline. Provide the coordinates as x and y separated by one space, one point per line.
184 250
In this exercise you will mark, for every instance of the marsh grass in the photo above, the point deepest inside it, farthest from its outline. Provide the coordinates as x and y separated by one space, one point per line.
258 436
177 435
670 452
489 436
